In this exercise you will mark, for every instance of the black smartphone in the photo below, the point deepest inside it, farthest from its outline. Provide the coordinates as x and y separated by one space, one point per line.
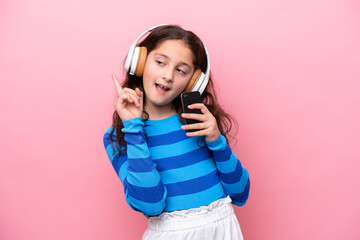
188 98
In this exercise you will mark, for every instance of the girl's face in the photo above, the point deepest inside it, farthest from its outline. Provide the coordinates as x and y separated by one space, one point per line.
168 69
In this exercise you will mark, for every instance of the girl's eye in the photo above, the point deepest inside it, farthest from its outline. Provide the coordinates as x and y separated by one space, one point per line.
159 62
181 71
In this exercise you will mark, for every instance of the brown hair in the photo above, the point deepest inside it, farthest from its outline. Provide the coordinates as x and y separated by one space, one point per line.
151 42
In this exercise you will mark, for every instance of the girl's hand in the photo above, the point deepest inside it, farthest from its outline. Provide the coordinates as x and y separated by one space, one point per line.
129 103
208 126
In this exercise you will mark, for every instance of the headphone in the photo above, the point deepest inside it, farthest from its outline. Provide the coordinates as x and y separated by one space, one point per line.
135 64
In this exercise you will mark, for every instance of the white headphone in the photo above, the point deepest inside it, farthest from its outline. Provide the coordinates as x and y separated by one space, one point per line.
135 63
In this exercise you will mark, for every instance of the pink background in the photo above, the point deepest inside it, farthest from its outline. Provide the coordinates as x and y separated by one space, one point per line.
287 70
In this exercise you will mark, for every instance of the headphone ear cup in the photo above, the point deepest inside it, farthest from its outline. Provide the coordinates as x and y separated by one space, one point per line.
201 84
141 62
128 60
138 61
134 60
194 79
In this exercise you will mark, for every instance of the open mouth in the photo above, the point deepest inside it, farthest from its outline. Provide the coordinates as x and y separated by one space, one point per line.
161 88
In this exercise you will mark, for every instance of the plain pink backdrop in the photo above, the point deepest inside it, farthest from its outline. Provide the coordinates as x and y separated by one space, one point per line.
287 70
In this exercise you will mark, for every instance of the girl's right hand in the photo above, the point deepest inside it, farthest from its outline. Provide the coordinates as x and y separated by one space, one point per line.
129 103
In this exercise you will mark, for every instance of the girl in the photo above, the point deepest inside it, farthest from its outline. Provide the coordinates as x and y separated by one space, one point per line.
182 181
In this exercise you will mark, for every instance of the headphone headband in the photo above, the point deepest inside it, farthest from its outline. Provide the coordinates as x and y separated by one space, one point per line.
199 86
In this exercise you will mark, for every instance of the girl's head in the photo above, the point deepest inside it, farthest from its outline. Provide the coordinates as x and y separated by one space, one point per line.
168 70
173 54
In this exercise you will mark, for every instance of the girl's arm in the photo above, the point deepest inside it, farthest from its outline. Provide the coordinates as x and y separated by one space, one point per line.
234 178
143 187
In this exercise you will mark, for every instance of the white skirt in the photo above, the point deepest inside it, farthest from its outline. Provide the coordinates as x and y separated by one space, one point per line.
215 221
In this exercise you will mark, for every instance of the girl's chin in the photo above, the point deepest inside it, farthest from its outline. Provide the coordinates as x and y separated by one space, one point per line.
160 102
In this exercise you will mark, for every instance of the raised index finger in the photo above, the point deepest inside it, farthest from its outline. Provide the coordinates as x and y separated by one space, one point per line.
117 84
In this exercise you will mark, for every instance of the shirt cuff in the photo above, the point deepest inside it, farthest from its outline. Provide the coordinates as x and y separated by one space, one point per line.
219 144
133 125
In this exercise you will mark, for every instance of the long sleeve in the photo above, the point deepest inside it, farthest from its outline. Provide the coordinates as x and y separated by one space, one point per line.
143 187
234 178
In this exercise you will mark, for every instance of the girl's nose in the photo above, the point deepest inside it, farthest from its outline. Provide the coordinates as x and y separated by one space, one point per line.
168 74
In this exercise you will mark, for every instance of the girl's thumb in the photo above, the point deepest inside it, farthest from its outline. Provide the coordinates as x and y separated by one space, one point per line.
139 92
141 95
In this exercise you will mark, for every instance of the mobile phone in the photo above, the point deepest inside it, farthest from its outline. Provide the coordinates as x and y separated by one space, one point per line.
188 98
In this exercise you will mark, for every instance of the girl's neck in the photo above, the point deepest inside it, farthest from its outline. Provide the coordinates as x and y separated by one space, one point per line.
160 112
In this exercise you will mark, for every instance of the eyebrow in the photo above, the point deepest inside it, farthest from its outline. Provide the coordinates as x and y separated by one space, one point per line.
167 57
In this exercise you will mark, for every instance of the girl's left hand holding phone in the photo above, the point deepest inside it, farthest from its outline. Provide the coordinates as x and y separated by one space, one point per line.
208 126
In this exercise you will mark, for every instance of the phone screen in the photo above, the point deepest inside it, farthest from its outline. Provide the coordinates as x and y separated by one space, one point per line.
188 98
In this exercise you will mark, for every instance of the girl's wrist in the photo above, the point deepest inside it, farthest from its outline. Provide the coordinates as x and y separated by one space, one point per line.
218 144
133 125
213 138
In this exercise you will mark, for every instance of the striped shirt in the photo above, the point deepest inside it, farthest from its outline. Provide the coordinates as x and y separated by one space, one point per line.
164 170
